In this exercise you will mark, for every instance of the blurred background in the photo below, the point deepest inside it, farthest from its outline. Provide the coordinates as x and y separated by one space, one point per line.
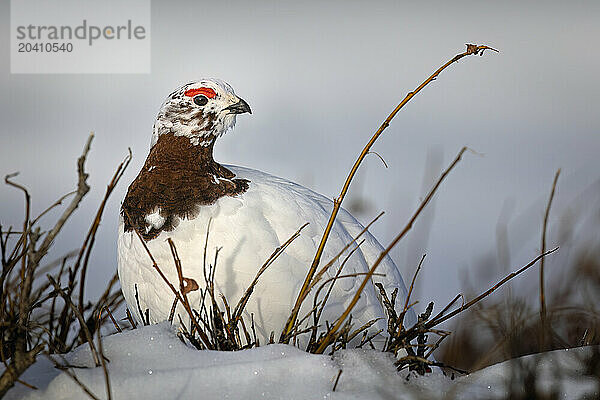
320 78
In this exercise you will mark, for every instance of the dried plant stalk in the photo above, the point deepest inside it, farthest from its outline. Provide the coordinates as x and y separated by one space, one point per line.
332 334
542 264
471 50
38 314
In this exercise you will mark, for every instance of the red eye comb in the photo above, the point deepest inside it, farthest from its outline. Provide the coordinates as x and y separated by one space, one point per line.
208 92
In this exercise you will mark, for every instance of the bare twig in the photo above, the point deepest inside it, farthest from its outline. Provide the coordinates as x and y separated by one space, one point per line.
104 368
187 308
83 326
333 281
318 276
54 205
471 50
91 235
324 269
542 264
507 278
107 299
29 254
239 308
129 318
450 304
82 190
410 290
20 362
330 337
27 385
115 324
67 369
337 379
378 155
25 278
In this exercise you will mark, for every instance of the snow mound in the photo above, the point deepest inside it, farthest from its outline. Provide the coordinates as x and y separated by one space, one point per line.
152 363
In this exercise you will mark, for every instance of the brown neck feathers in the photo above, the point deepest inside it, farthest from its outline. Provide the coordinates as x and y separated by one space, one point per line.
177 179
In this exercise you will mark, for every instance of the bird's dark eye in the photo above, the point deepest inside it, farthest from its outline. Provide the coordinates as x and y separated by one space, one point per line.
200 100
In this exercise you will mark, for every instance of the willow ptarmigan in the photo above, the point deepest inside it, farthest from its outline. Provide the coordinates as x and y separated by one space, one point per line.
181 189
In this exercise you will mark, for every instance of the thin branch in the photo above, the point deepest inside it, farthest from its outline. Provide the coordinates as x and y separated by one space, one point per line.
30 257
67 370
203 336
103 300
471 50
112 318
25 279
318 276
237 313
104 368
129 318
330 337
56 204
18 365
542 263
507 278
378 155
27 385
410 290
88 243
337 379
82 189
319 312
82 323
320 273
449 305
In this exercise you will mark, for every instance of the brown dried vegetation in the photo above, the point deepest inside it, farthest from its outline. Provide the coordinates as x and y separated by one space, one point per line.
42 305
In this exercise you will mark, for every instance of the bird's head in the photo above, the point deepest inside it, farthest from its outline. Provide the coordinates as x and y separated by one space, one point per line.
202 111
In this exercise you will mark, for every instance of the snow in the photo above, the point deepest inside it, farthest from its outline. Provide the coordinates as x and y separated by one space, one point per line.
152 363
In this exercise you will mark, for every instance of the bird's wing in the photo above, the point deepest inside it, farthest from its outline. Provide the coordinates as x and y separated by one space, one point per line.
316 209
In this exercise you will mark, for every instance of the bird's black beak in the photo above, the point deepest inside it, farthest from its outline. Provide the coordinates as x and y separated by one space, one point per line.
239 108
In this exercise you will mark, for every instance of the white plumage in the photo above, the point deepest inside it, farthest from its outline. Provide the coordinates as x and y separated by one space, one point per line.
247 228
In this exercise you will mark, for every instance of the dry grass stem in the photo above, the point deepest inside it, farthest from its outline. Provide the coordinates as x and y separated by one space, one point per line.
36 313
67 369
241 305
17 297
332 334
326 267
112 318
91 235
542 262
201 333
333 280
337 379
471 50
75 310
130 318
104 368
490 290
216 329
410 290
